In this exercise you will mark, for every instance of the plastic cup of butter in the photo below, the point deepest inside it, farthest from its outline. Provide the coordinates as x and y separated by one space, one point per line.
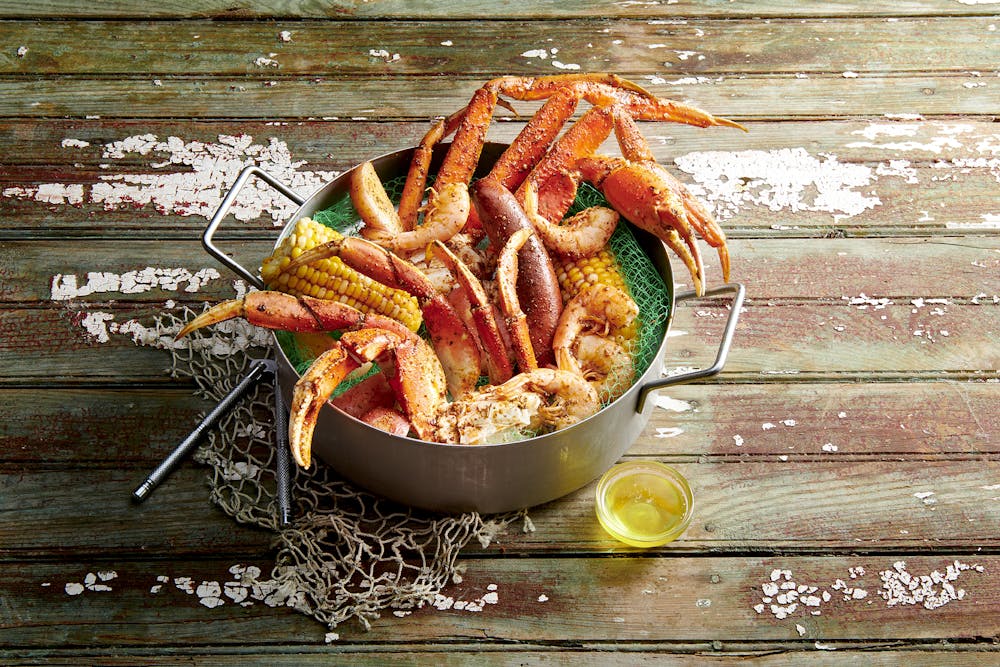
644 503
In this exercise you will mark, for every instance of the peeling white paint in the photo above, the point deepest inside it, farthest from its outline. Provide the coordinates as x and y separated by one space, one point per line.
672 404
191 179
780 179
66 286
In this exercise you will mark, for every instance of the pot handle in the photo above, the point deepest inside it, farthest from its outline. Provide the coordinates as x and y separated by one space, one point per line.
223 210
720 360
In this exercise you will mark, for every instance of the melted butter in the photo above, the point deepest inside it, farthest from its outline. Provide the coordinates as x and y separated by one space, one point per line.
644 506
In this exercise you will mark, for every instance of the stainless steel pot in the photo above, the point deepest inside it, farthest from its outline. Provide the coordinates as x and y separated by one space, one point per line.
484 478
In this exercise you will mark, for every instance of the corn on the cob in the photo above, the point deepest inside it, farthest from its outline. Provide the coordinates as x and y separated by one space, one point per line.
600 268
332 279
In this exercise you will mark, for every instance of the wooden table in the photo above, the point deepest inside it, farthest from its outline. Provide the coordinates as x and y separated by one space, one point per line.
848 448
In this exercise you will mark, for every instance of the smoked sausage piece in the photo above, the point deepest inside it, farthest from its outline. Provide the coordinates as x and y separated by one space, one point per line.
537 286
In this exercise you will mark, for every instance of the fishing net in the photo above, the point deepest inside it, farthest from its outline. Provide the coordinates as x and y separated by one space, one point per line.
641 278
348 554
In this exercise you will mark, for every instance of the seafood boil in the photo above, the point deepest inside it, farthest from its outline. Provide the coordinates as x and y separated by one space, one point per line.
485 268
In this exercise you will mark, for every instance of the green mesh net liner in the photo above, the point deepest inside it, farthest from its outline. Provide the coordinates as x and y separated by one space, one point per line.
644 282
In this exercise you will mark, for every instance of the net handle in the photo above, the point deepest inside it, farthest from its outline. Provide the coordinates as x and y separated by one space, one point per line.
223 210
739 292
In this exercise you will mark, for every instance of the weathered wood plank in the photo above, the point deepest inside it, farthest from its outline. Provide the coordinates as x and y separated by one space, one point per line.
834 270
50 507
774 654
788 338
427 9
834 421
801 338
268 98
323 145
758 504
899 420
86 426
713 595
630 48
887 204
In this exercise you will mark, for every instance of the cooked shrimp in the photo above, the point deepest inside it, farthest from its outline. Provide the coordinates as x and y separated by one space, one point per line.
597 308
516 320
582 235
605 364
442 220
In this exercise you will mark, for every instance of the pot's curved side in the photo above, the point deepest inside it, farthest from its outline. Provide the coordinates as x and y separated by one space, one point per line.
484 478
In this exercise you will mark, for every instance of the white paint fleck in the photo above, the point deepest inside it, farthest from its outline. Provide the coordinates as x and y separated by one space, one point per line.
849 75
331 637
566 66
22 51
383 54
543 598
668 432
238 470
927 497
672 404
185 584
264 61
74 588
447 42
829 447
779 179
285 35
74 143
693 80
536 53
990 221
800 629
738 440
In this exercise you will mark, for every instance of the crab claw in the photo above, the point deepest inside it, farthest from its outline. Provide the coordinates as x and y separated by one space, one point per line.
311 392
227 310
638 191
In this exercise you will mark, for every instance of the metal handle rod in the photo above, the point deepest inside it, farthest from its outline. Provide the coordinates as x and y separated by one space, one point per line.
223 210
724 345
283 460
167 466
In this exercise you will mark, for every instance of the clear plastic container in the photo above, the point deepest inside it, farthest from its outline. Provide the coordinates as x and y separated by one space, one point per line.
644 503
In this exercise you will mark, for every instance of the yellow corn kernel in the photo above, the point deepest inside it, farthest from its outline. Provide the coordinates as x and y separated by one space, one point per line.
332 279
601 268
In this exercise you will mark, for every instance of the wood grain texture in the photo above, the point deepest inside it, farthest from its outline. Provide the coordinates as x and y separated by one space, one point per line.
801 339
889 421
328 144
754 96
760 504
577 610
854 425
425 9
165 49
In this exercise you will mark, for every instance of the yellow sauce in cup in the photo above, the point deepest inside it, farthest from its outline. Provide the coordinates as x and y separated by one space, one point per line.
644 503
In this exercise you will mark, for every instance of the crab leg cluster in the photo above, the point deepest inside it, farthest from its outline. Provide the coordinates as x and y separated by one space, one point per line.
479 261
